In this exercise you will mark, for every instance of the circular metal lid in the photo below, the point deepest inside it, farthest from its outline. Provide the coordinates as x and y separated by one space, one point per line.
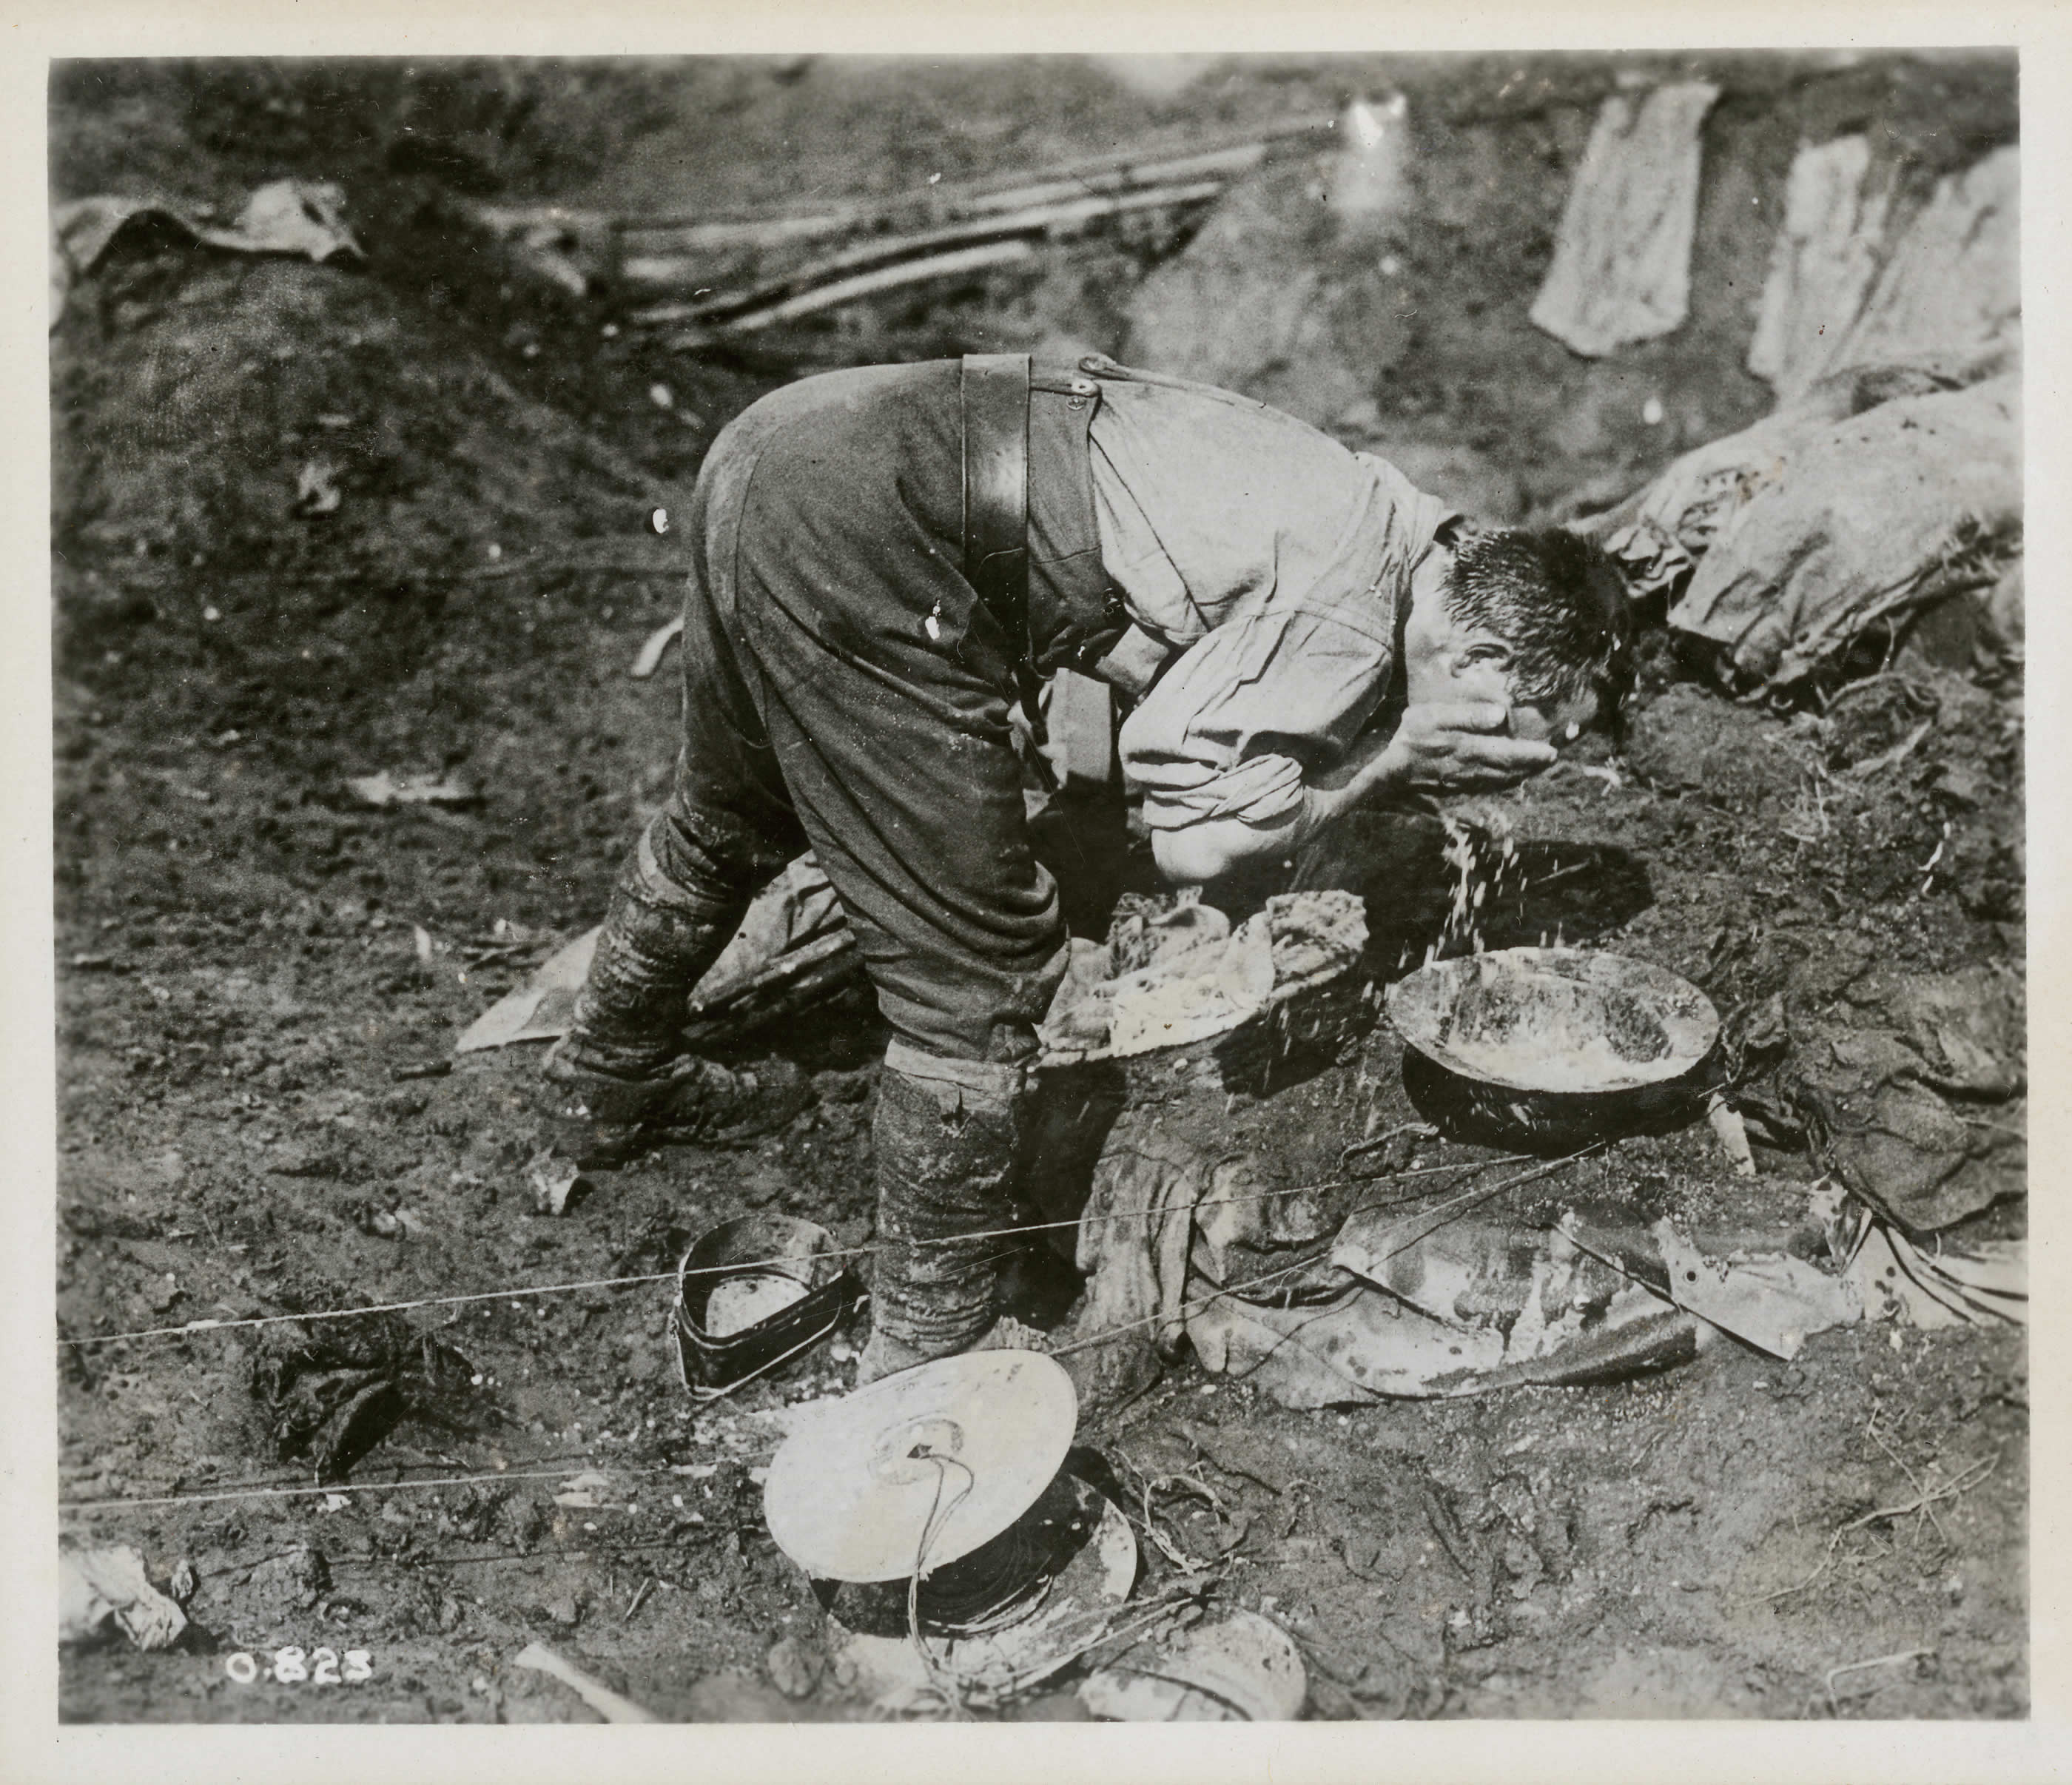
1568 1020
851 1492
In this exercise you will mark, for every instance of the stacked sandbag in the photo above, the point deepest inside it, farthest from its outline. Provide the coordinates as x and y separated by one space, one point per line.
1832 530
1880 492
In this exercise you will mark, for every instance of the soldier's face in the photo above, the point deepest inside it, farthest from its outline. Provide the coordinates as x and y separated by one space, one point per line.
1446 664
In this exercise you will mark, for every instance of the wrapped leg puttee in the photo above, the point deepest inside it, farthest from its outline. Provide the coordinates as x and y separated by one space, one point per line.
619 1081
948 1138
670 916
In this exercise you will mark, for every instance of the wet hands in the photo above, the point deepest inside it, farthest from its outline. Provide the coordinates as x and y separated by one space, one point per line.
1465 748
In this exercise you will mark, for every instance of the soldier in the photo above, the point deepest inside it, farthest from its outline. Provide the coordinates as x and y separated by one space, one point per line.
883 560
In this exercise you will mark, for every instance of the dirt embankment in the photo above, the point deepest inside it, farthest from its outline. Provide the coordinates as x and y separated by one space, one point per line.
242 981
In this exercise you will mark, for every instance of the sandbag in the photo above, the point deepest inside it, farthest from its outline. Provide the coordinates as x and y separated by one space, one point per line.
1622 266
1813 533
1954 281
1822 265
1840 293
286 216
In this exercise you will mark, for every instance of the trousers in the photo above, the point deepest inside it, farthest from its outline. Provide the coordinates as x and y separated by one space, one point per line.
844 689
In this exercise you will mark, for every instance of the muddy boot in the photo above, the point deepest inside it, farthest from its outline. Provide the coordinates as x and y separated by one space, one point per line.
598 1119
619 1082
948 1140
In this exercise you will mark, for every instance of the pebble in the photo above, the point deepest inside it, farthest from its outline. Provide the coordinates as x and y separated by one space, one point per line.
795 1670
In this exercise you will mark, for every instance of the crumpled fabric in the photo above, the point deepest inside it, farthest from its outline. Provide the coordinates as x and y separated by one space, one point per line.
1135 1236
797 907
96 1587
1170 1230
285 216
1168 978
1916 1105
1653 560
1622 267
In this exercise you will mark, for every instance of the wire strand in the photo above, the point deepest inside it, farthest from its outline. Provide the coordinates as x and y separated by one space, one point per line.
195 1327
1186 1306
932 1527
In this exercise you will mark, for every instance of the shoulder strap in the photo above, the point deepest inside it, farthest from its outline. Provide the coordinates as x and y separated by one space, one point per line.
994 388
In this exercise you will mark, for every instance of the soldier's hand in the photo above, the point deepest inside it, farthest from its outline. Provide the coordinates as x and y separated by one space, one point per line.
1462 749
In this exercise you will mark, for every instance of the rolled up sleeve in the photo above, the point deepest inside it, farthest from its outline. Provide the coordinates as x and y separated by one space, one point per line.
1233 727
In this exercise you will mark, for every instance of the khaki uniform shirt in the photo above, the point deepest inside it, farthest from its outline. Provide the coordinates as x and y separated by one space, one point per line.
1275 563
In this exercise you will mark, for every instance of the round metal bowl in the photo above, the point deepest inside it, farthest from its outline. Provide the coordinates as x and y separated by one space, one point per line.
1554 1047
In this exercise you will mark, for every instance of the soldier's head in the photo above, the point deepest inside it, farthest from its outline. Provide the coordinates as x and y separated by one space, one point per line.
1537 619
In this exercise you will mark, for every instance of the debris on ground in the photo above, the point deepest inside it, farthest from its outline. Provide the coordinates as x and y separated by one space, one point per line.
795 1668
285 216
556 1182
100 1587
1982 1283
384 789
657 645
317 492
590 1490
1134 1240
540 1010
1195 977
1775 1302
1236 1666
613 1707
1731 1132
1622 268
331 1391
1914 1096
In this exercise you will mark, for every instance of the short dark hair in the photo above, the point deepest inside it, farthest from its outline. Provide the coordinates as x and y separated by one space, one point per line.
1557 599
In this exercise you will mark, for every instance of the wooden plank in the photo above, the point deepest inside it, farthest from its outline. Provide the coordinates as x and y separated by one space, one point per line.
1038 219
889 278
1141 164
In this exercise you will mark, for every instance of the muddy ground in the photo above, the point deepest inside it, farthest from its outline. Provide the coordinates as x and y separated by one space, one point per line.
246 1018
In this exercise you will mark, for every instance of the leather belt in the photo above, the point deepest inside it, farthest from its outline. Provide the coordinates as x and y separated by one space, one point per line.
994 391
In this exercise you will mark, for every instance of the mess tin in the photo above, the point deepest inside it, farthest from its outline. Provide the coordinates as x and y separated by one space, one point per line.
752 1293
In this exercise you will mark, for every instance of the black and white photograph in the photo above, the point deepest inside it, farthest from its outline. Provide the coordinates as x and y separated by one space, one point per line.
1038 888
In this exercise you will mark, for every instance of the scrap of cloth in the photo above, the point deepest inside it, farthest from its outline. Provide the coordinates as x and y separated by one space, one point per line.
1622 267
285 216
1276 563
